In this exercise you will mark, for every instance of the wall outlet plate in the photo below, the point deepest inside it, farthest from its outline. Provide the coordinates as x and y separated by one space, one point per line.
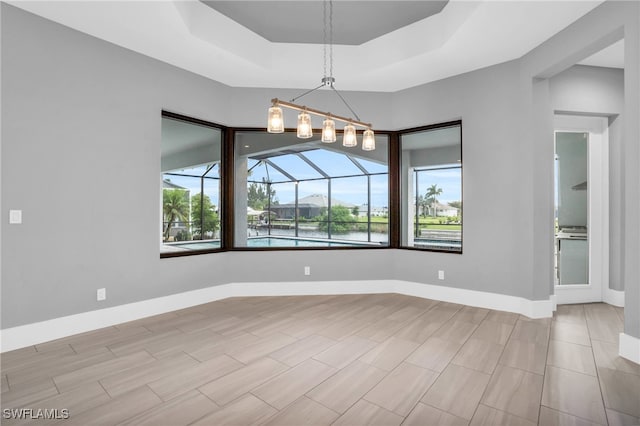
15 217
441 275
101 294
307 270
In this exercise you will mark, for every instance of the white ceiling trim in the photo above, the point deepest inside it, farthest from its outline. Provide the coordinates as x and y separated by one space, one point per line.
465 36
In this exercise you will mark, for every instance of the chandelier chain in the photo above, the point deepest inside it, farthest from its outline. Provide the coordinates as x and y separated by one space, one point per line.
324 35
331 39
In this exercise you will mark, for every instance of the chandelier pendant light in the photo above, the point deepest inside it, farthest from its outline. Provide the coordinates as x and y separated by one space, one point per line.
349 138
275 120
305 129
368 140
328 130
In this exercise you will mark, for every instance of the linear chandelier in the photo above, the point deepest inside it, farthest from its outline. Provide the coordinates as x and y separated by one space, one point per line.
275 121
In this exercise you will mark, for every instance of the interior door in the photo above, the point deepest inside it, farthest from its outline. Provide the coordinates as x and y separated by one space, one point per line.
582 214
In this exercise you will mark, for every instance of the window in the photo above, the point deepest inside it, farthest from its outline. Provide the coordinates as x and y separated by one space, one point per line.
191 185
290 193
431 188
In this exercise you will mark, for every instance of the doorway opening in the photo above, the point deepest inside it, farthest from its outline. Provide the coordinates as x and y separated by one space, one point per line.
581 219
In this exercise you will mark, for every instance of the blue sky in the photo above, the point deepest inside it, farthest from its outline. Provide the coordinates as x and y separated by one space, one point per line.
351 190
348 189
449 180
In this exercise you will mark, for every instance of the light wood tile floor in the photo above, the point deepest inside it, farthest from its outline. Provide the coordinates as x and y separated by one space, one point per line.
334 360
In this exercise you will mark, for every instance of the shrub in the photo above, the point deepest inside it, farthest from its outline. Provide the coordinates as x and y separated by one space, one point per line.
341 220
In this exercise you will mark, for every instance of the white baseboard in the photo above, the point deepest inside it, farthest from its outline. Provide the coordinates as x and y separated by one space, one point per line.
44 331
567 295
40 332
480 299
613 297
629 348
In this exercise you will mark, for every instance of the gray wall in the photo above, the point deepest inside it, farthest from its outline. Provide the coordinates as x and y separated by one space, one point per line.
81 146
496 235
588 90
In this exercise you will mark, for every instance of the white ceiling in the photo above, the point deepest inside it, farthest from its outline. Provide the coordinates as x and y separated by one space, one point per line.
464 36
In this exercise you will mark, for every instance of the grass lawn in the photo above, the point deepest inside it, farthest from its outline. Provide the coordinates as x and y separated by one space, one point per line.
442 227
434 223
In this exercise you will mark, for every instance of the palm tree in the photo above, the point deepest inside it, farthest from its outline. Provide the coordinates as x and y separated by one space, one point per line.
432 192
175 205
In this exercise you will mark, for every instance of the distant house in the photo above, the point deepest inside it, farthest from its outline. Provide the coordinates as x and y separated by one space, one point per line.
375 211
441 210
308 207
446 210
167 184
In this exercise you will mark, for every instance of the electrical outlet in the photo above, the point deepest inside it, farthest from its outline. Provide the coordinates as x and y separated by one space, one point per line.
15 217
441 275
307 270
101 294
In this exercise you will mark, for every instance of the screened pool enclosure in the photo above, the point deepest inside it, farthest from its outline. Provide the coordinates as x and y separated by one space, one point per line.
309 191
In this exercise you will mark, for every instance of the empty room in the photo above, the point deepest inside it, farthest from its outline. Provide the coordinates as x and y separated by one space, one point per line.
320 212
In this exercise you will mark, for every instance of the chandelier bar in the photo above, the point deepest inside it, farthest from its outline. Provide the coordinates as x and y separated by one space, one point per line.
290 105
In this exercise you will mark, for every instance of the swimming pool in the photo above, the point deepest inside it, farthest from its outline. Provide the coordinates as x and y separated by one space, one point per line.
299 242
270 241
446 245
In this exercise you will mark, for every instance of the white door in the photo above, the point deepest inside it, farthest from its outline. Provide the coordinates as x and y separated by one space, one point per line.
582 261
